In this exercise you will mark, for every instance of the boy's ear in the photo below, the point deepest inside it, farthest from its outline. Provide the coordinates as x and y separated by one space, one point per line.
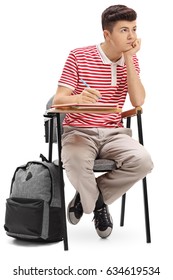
106 34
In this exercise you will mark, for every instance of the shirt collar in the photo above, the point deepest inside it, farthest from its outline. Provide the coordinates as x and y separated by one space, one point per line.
106 60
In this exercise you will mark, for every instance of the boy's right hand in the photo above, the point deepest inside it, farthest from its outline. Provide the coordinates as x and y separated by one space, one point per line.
88 95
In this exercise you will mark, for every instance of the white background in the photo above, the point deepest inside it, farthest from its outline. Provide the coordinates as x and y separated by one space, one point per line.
36 37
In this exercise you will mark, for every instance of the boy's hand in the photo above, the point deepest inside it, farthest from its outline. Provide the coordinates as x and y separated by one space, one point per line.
135 47
88 95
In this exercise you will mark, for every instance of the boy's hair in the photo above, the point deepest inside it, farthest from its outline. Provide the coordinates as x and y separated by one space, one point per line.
115 13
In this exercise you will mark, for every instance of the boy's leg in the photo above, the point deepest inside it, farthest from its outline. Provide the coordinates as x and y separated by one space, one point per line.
133 162
78 155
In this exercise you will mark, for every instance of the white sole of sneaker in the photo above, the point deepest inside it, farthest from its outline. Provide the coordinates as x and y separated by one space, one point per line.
104 234
71 216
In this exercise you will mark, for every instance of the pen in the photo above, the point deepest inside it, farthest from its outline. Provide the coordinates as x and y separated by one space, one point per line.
84 83
87 85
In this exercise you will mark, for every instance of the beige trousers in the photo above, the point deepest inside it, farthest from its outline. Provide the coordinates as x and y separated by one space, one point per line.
80 147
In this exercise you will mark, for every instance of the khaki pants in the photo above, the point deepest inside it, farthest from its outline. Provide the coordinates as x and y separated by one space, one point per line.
80 147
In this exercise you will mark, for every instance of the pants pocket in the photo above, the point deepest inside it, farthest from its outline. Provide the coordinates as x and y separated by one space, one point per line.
24 216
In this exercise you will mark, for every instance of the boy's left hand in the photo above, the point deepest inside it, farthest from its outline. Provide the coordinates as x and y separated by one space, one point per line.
136 45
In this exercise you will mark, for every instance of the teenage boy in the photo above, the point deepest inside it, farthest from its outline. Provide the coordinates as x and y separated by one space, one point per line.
104 73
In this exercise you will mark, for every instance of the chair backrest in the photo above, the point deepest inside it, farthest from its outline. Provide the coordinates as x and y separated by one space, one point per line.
49 103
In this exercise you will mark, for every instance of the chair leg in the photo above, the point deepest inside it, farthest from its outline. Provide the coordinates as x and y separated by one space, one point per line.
122 210
123 202
144 182
50 122
146 211
62 184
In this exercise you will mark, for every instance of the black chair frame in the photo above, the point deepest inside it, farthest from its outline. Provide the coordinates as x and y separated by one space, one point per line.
51 117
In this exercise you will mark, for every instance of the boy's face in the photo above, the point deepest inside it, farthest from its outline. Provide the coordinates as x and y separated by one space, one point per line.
122 36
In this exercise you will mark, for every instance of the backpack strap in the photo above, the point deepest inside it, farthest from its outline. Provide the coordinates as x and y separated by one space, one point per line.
55 178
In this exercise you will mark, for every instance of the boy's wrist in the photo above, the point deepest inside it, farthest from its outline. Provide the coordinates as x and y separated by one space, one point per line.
128 58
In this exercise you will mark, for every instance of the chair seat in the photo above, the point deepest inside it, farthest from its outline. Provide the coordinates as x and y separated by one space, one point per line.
103 165
100 165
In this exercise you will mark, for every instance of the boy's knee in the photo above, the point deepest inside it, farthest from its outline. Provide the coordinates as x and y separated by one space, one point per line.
145 162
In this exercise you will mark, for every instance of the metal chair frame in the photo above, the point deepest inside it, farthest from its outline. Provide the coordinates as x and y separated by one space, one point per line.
49 131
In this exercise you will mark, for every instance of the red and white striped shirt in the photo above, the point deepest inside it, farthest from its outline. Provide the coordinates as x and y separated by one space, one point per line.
92 65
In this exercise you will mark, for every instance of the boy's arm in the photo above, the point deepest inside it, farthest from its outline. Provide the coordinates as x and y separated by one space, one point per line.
64 95
135 88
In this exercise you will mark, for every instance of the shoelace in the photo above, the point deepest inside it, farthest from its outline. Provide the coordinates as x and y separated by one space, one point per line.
101 217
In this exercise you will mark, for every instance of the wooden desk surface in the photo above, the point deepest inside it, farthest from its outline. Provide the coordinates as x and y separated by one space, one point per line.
83 109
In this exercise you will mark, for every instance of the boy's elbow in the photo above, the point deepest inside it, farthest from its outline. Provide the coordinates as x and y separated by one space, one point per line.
138 102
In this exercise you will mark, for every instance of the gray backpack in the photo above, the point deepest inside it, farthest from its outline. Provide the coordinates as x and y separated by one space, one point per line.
33 210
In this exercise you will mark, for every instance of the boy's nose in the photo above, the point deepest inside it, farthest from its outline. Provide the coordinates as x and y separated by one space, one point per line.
132 35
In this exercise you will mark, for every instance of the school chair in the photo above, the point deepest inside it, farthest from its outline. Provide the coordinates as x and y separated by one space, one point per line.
53 132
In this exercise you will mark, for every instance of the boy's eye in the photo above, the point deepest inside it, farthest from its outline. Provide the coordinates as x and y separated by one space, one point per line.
124 30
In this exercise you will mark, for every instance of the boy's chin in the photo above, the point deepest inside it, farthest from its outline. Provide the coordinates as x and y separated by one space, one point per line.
127 49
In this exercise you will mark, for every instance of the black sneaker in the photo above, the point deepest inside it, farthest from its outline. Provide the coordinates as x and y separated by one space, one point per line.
75 210
103 222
